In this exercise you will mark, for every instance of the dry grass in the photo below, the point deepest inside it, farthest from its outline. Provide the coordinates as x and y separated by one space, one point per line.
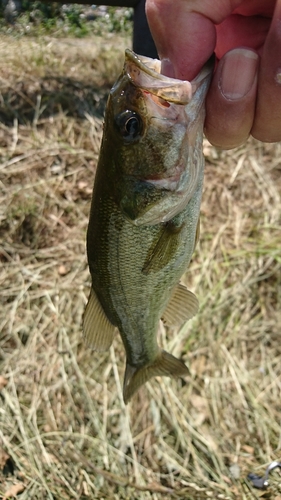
64 430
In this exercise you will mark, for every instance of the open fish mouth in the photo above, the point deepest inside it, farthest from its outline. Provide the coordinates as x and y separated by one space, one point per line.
145 73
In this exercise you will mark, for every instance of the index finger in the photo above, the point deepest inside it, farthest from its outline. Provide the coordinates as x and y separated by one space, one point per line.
184 32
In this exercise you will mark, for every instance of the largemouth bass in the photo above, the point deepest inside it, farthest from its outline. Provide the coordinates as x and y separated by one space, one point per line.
144 215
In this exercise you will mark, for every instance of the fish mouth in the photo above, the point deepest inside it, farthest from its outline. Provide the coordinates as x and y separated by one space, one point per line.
145 73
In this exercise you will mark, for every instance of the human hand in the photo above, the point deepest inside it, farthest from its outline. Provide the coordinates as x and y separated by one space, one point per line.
245 94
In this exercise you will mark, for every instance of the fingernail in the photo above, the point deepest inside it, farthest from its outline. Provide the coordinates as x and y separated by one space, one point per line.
167 68
238 73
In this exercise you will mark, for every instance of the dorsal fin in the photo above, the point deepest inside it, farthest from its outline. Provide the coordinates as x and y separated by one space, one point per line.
98 331
182 306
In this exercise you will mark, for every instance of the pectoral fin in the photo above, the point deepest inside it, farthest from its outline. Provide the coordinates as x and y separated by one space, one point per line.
165 364
161 252
98 331
182 306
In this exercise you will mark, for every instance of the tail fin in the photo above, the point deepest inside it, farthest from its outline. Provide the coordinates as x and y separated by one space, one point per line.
165 364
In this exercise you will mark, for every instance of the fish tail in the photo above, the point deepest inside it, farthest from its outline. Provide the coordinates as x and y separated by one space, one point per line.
164 364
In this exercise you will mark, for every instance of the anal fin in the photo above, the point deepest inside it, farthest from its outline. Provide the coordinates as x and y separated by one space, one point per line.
97 329
182 306
164 365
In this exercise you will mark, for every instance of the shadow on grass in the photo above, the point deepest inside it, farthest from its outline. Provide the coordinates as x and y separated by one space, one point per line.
28 101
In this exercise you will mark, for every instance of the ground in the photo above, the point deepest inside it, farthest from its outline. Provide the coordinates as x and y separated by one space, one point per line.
65 432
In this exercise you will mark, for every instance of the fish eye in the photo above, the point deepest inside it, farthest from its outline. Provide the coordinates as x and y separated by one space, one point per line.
129 124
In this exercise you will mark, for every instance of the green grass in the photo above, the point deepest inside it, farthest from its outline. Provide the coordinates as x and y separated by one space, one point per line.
40 19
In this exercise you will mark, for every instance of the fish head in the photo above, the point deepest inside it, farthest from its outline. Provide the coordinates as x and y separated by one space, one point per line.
154 127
